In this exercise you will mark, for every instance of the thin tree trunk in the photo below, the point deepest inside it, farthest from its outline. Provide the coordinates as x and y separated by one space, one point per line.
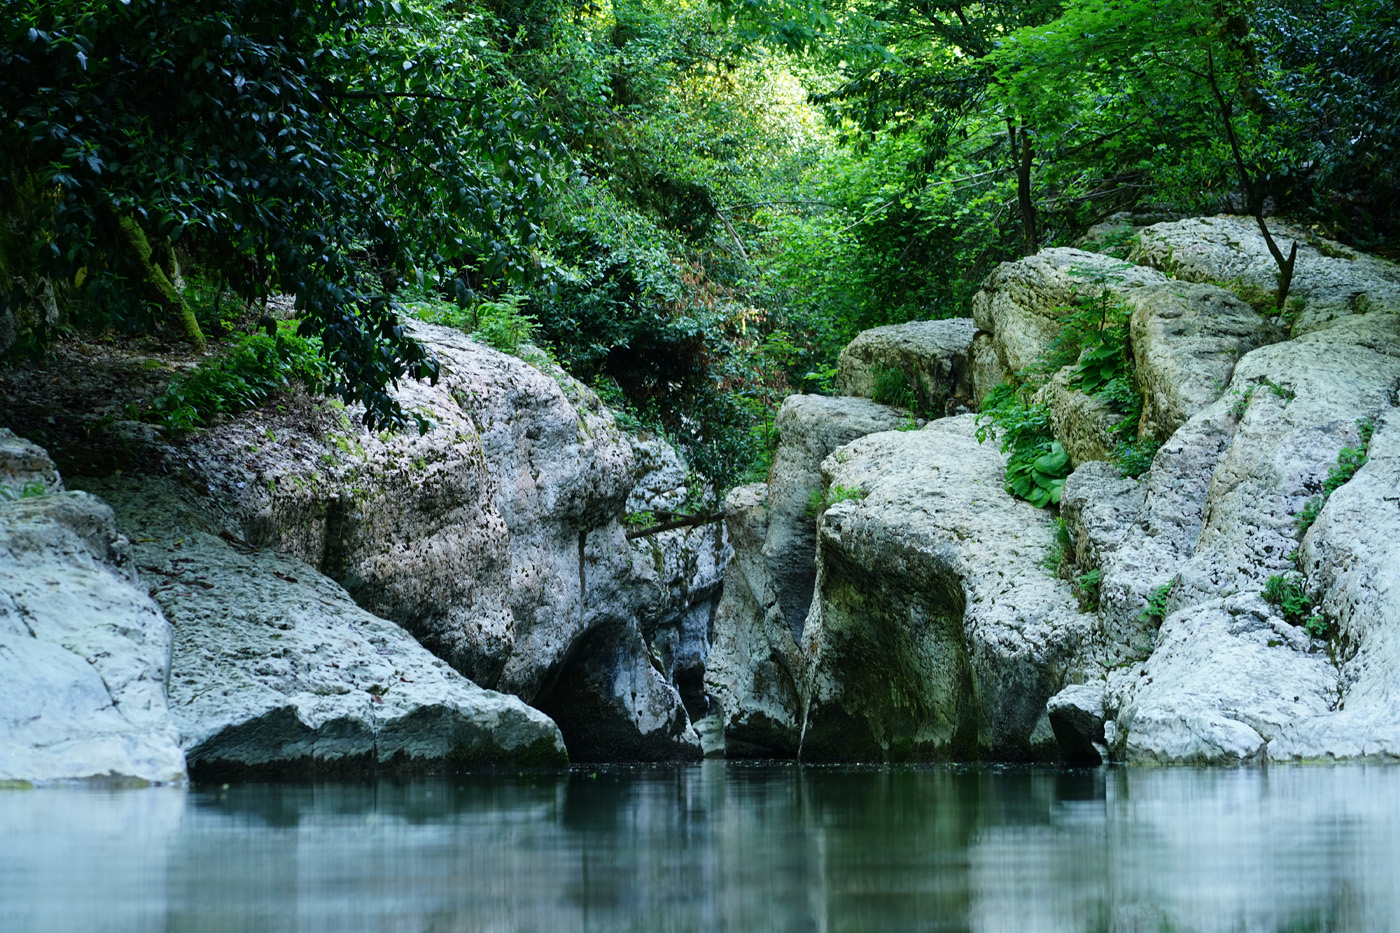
158 284
1254 199
1024 153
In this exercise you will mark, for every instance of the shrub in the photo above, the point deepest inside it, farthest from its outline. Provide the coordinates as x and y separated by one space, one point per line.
255 368
1288 594
1038 464
1086 589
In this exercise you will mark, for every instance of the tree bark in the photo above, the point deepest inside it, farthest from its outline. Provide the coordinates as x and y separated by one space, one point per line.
1024 154
158 284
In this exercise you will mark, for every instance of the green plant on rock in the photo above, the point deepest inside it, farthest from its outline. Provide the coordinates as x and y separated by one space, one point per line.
894 387
1086 589
1155 611
29 490
818 501
1349 460
1105 358
1037 464
1288 593
1134 458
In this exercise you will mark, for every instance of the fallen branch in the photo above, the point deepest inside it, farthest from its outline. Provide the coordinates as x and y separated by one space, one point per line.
685 521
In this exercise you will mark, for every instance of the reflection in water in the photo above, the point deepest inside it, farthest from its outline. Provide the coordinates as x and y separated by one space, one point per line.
716 847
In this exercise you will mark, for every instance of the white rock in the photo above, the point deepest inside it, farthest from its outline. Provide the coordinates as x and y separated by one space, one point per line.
1021 303
83 651
1332 281
755 664
936 630
1352 559
276 671
1186 340
496 538
1225 677
935 355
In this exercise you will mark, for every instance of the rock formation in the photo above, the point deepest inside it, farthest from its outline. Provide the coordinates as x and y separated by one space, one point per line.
496 538
943 622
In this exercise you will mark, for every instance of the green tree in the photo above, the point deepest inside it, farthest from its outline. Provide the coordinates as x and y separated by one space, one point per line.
329 150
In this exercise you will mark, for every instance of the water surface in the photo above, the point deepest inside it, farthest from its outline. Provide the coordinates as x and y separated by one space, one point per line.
716 847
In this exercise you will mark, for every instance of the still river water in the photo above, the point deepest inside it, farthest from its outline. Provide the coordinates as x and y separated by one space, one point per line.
718 847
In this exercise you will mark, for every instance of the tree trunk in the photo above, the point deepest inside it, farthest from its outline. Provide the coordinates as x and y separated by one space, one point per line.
158 284
1024 153
1253 197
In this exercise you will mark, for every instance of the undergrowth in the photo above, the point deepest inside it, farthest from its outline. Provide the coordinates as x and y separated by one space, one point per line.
256 367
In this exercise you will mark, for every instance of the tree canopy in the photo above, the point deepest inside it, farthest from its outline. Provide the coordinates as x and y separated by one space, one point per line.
693 203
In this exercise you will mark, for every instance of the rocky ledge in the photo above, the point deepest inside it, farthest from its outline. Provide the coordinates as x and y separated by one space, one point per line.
343 600
1236 602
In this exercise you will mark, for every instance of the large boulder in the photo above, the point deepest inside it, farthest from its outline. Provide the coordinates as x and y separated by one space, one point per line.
1225 678
275 671
754 665
1186 340
1022 304
750 671
937 631
1351 557
933 358
1330 281
496 537
84 652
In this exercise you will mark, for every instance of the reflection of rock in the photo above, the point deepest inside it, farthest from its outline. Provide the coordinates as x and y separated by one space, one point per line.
84 652
935 633
276 671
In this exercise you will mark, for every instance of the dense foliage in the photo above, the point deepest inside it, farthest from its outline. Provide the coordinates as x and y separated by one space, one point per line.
692 204
329 150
